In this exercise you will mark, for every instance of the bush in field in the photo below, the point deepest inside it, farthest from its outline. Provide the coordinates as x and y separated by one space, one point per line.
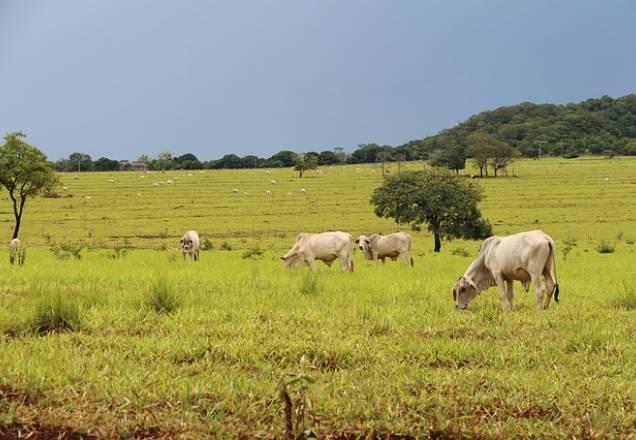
226 246
253 254
207 245
461 252
64 251
605 247
118 252
55 315
568 245
162 298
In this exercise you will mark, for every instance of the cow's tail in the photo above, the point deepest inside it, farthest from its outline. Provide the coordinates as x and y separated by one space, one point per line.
553 271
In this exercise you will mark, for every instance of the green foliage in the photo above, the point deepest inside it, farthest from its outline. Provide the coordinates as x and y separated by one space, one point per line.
605 247
56 314
207 245
305 162
226 246
603 126
461 252
118 252
162 298
253 254
24 172
447 204
489 151
568 245
64 251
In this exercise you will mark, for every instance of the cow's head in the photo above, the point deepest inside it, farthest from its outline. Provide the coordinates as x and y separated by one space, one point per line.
186 244
463 292
293 259
363 242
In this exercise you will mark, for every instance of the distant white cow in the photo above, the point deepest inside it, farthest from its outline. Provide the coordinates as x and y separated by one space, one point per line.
190 245
17 252
378 247
326 247
523 257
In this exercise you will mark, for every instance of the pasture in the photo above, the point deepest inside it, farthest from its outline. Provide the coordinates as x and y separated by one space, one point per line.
378 352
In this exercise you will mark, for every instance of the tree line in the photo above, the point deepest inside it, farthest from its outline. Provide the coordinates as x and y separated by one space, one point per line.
602 126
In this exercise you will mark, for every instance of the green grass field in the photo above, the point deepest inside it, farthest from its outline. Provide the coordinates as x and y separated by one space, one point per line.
383 350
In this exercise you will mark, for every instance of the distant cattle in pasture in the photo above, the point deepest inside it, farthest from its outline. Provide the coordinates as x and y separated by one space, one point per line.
190 245
524 257
378 247
326 247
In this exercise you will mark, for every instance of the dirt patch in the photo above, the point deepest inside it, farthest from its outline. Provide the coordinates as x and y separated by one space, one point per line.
11 394
39 432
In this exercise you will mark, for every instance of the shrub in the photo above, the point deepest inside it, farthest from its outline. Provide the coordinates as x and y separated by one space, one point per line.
162 298
605 247
118 252
629 241
226 246
207 245
619 236
253 254
461 252
64 251
568 245
309 286
55 315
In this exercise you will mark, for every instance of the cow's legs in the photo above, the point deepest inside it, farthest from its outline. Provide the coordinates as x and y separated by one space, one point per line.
503 294
312 264
509 292
540 290
346 263
550 284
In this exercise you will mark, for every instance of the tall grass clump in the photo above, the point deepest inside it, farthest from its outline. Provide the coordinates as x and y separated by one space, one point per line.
309 285
55 315
162 298
626 297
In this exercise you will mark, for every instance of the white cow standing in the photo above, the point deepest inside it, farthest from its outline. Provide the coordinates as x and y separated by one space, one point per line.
190 245
326 247
379 247
16 252
522 257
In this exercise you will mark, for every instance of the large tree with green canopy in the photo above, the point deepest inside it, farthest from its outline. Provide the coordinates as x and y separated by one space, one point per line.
447 204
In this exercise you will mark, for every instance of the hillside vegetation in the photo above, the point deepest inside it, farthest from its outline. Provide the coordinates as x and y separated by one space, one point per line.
596 126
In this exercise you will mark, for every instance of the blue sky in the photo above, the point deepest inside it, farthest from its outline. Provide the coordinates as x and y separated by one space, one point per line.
122 78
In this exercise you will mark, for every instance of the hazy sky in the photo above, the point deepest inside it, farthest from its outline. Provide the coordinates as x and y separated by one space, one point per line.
120 78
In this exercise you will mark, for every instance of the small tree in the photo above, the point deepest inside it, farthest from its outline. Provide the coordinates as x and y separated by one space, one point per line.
305 162
446 203
502 156
480 149
25 172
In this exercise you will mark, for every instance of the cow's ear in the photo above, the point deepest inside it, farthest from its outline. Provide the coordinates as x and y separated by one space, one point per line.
357 241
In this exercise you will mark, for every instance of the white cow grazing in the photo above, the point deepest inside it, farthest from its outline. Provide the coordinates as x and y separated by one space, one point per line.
523 257
378 247
16 252
190 245
326 247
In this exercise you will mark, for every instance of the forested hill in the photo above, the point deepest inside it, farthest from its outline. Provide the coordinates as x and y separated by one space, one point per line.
595 126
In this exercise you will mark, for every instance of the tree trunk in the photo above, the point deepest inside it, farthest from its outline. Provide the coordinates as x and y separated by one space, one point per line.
300 173
17 212
481 171
438 242
495 171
